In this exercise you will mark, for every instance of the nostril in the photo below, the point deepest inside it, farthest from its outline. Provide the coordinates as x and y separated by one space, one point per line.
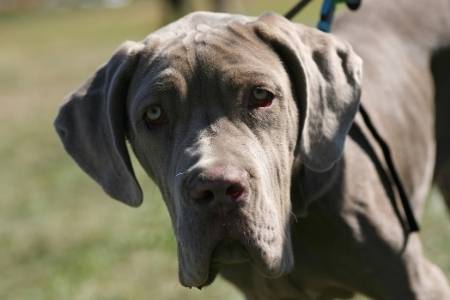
234 191
216 188
203 196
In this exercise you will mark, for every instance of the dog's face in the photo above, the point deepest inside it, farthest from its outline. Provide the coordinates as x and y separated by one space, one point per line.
219 110
216 127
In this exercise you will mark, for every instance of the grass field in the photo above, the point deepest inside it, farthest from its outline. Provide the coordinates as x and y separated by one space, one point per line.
61 237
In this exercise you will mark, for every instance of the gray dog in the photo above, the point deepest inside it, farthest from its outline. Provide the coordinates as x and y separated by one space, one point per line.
242 123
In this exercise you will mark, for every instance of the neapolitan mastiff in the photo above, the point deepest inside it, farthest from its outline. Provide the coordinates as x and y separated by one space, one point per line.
249 127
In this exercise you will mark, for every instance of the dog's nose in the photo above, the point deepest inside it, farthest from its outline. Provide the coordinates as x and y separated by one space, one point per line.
219 189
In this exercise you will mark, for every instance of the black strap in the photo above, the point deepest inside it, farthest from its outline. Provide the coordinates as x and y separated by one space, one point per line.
296 9
412 222
413 225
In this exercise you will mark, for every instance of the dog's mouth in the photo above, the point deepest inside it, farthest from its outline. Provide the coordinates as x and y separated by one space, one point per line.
244 237
230 252
227 252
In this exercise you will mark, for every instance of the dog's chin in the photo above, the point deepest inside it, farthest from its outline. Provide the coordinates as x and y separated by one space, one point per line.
231 252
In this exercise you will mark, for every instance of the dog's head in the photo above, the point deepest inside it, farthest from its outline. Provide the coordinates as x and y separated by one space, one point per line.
219 110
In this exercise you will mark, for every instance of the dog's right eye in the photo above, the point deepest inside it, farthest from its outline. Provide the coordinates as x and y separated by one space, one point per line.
155 116
260 97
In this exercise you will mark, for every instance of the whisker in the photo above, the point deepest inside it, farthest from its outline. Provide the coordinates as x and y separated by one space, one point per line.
180 173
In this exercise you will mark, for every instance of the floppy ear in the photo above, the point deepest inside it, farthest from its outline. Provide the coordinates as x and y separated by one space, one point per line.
92 123
325 76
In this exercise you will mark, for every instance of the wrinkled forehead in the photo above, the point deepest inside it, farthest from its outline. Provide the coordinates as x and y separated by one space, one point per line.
206 47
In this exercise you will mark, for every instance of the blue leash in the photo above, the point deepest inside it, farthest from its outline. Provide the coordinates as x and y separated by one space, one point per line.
327 12
324 24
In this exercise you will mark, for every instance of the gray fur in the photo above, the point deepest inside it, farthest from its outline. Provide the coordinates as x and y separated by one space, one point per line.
200 69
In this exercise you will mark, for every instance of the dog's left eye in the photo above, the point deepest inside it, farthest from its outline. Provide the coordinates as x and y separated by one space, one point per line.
260 97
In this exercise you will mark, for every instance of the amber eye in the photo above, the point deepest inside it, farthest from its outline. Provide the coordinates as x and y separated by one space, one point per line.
260 97
154 116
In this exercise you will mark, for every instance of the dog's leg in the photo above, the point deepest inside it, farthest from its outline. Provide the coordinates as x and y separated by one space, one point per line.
407 276
441 75
422 279
443 181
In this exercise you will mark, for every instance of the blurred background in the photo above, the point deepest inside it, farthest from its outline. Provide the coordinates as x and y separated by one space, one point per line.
61 237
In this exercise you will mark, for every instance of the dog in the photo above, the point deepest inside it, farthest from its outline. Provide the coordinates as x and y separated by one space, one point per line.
250 128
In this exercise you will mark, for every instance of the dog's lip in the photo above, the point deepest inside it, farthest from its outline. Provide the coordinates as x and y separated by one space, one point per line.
233 252
226 252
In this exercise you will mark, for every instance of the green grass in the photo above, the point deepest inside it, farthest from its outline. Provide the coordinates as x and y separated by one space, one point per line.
61 237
